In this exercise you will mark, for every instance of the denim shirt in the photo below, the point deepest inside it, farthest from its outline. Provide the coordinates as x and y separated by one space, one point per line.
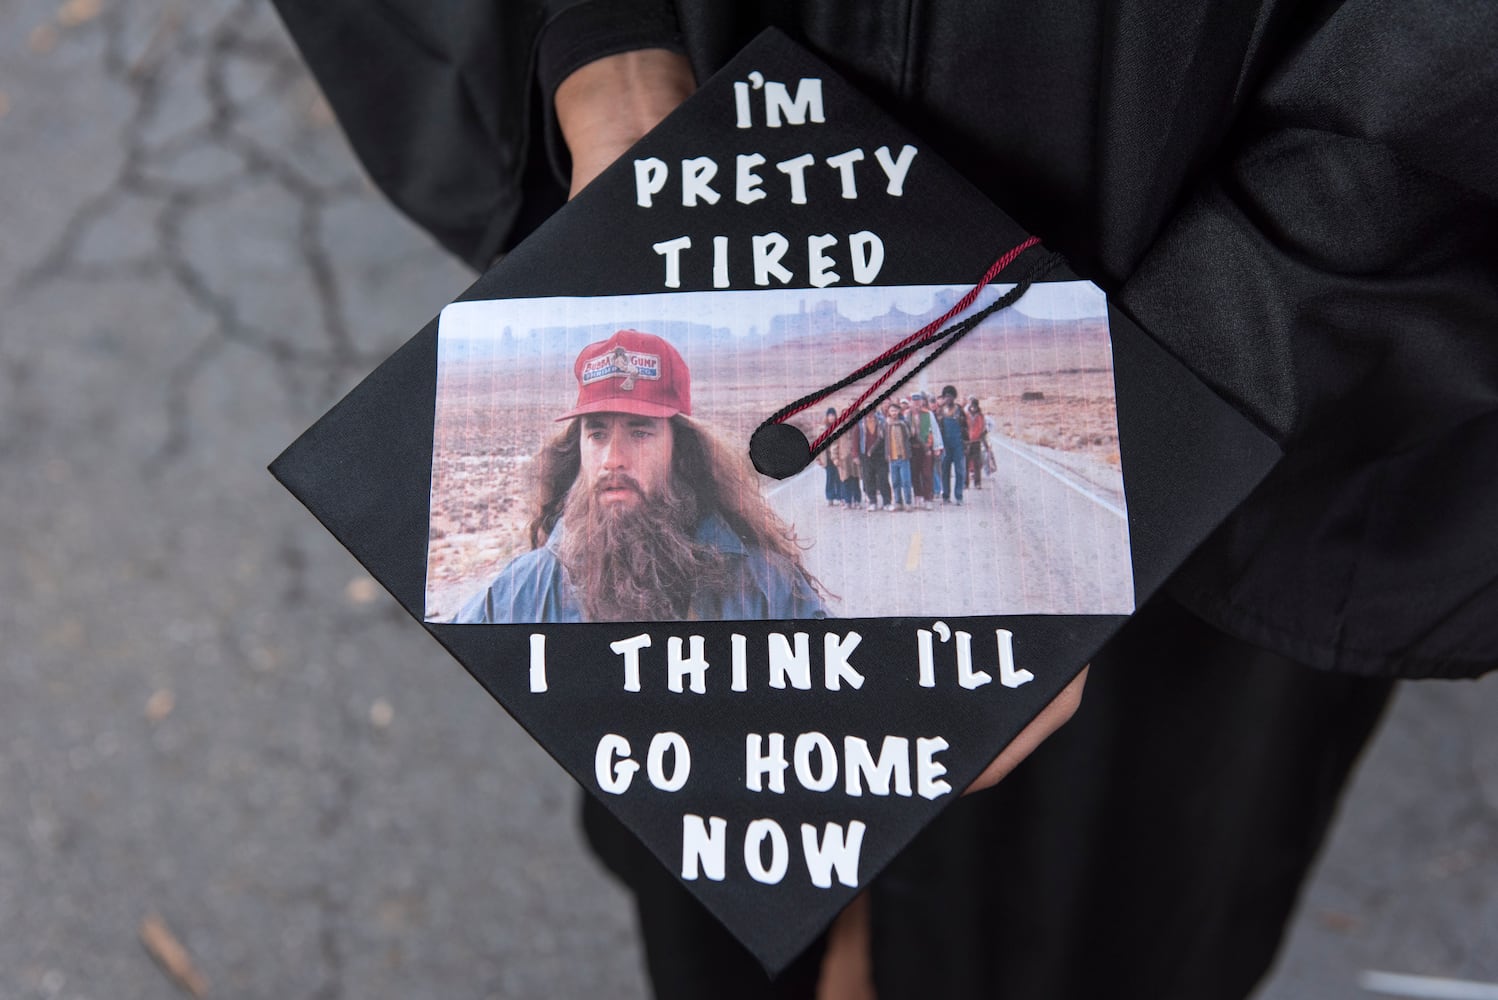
533 588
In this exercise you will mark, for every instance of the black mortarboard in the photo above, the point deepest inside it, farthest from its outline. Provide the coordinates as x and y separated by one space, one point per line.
777 232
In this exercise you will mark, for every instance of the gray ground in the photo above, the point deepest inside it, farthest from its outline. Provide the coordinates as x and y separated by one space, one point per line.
208 713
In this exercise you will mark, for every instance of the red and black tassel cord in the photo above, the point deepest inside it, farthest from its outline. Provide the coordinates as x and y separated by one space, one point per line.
780 450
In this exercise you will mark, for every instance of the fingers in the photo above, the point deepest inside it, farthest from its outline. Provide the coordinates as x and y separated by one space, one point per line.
1050 719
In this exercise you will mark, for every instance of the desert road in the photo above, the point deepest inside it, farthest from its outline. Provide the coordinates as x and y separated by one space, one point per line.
1046 534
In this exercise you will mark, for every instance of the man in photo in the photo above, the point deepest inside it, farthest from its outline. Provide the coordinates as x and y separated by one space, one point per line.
872 463
952 432
828 460
977 442
897 448
642 514
922 439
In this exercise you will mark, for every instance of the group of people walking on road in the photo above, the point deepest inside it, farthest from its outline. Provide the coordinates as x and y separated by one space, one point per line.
906 454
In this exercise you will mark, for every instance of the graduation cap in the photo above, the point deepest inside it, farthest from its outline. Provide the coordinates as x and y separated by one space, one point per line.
773 684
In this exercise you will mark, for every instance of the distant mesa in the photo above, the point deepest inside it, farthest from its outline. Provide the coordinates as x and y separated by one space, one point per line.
808 320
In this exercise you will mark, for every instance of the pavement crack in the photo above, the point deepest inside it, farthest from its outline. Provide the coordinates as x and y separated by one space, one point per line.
324 281
178 404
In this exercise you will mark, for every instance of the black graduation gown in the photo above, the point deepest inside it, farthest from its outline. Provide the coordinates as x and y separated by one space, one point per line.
1299 200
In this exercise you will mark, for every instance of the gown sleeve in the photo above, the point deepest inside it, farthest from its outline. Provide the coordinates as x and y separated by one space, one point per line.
1336 276
448 102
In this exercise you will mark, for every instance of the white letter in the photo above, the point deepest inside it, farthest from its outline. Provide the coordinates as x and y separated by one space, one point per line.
655 762
613 777
699 846
795 169
805 744
740 664
741 105
677 667
821 265
768 249
833 852
894 761
808 103
757 764
650 177
1008 676
786 664
746 186
538 663
966 676
928 668
895 170
754 838
630 650
928 772
720 261
671 250
844 164
695 174
867 251
835 665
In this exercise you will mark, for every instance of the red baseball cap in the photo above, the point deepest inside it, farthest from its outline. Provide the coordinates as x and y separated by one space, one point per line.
631 372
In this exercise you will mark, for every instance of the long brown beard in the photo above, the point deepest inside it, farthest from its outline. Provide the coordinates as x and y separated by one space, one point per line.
640 561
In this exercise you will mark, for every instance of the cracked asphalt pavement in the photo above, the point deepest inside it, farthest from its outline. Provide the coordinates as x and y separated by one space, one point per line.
208 712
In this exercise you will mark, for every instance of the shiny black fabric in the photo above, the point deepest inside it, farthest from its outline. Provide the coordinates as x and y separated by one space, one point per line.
1150 850
1299 200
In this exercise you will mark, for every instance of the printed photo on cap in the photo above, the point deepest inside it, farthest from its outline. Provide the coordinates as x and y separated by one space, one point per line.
590 460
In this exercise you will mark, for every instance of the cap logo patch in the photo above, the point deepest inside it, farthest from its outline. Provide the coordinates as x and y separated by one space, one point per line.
622 364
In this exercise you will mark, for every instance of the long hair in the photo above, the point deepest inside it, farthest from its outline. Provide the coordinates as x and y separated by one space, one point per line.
722 479
555 470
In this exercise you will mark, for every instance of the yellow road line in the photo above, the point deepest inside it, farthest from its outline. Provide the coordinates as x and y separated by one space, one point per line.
913 554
